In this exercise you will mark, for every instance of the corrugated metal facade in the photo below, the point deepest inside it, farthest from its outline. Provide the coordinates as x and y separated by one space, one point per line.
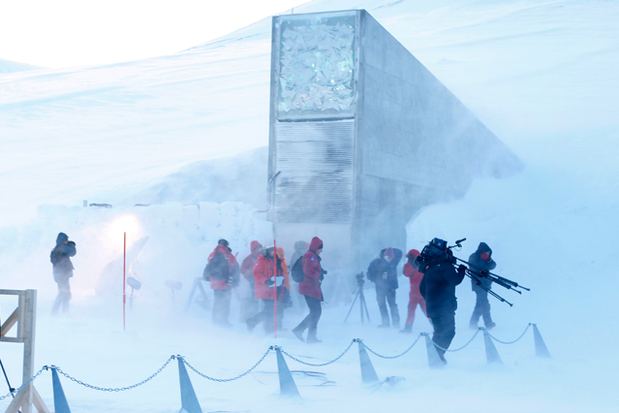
315 165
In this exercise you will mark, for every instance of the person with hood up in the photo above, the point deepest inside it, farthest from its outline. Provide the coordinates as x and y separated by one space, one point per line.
383 273
222 271
247 271
481 260
310 289
62 271
267 289
438 288
414 298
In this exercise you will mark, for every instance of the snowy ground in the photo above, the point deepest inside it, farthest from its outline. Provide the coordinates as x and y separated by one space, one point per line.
540 74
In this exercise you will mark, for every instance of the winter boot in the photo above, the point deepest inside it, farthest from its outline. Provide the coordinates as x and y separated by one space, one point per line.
408 329
299 333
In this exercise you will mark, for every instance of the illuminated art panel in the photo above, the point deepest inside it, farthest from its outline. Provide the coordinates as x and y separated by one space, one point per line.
317 66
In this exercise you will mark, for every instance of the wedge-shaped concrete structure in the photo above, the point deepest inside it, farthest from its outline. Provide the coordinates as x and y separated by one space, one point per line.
362 136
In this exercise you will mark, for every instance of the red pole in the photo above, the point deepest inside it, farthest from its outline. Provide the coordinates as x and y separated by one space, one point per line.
275 273
124 274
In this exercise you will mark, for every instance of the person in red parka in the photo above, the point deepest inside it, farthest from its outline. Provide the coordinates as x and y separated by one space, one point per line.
222 271
310 288
264 274
247 271
414 298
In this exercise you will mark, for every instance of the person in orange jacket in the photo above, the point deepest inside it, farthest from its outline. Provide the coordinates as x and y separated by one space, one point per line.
414 298
222 271
268 287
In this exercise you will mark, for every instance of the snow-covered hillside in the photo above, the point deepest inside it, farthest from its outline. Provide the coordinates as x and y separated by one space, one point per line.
540 74
7 66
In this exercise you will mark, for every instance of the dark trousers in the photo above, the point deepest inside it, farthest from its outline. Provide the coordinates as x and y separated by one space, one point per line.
482 308
221 307
267 315
386 296
63 297
310 323
444 330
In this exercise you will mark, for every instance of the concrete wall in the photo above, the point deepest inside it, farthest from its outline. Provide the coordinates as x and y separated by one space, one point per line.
415 143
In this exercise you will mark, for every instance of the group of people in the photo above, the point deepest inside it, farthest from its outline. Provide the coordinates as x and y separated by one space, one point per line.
268 274
433 279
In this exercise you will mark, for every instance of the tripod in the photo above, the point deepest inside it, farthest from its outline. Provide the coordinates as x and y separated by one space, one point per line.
363 307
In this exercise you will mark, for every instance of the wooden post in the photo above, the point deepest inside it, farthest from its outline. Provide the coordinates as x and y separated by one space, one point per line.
30 301
25 319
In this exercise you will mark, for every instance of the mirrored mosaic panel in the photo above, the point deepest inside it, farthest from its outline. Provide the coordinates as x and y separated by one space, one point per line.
317 66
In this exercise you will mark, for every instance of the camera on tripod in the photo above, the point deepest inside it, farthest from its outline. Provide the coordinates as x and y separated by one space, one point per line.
360 279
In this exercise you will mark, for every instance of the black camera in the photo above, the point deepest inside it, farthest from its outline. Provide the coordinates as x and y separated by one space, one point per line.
434 252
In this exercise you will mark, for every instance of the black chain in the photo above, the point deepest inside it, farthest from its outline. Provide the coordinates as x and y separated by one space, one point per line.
117 389
25 384
318 364
392 357
511 342
233 378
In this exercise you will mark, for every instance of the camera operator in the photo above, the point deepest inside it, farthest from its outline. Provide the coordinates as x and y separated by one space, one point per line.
62 270
438 288
383 273
480 261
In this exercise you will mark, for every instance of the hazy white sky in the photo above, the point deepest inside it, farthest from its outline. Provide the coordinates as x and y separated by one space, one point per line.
65 33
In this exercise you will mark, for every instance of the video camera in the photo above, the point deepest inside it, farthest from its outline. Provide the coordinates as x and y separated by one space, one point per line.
437 251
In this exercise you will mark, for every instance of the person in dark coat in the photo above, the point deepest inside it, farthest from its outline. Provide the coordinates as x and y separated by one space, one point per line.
411 270
481 260
383 273
222 271
267 288
62 270
438 288
310 288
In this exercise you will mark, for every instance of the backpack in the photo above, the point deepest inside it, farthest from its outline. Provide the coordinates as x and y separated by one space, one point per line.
217 268
297 270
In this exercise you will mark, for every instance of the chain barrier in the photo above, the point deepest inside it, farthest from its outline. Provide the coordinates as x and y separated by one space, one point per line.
392 357
25 384
459 348
318 364
511 342
233 378
118 389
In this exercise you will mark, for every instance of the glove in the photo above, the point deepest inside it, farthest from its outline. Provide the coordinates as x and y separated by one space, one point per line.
484 273
323 272
461 269
385 275
279 281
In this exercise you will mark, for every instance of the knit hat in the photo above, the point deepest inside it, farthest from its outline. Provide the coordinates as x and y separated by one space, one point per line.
389 253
